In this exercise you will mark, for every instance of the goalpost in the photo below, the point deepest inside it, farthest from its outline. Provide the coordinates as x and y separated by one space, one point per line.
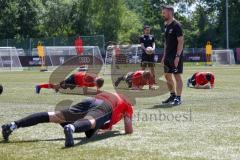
59 54
223 57
121 54
9 59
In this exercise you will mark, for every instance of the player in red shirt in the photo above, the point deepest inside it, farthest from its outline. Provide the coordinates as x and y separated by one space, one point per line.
78 79
137 80
201 80
79 45
101 112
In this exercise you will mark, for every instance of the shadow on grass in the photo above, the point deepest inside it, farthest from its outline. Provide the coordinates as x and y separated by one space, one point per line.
32 141
162 106
131 90
99 137
83 140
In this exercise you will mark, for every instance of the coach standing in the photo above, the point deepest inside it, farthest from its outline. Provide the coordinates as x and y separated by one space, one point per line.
147 40
173 55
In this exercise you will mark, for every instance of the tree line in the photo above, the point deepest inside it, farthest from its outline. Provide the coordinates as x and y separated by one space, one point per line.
119 20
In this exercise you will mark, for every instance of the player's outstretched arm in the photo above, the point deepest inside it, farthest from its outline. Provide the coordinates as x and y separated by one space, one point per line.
206 86
87 92
128 125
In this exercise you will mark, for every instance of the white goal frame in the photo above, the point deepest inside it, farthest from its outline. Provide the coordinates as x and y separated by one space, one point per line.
69 51
223 57
132 53
9 59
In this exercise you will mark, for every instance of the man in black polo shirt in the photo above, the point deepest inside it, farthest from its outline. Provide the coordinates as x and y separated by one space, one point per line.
173 57
147 40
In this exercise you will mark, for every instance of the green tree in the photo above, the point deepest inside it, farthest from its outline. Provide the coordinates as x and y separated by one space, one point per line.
27 18
234 30
130 27
107 19
119 20
8 17
57 18
81 17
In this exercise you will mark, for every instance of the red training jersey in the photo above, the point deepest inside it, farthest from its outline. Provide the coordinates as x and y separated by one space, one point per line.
200 78
83 79
139 81
120 107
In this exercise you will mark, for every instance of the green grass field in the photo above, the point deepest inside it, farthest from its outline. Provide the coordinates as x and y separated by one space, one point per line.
210 129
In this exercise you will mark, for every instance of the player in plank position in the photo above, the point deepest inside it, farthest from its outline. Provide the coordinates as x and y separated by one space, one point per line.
201 80
78 79
137 80
101 112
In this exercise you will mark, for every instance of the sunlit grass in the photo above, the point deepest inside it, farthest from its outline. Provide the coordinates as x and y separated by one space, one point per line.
213 131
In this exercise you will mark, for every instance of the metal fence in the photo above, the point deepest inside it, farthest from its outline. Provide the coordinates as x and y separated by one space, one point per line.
26 46
29 44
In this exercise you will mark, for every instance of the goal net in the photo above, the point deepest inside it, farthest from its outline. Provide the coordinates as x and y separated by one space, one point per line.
121 55
223 57
9 59
58 55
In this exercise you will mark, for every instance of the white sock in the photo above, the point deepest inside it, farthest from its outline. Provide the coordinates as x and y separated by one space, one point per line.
72 127
13 126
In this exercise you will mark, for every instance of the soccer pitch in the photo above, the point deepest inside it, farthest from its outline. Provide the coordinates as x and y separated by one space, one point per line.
205 126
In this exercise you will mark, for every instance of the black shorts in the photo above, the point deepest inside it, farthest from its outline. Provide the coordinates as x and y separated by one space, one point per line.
128 79
95 108
78 111
101 113
169 66
147 60
70 80
193 80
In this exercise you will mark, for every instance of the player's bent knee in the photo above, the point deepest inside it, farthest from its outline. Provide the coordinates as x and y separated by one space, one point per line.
92 121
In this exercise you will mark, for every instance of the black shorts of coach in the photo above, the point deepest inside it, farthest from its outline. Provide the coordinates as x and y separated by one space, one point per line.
169 66
147 60
95 108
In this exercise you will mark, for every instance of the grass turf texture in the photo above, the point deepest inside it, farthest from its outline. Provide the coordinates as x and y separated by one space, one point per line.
210 129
